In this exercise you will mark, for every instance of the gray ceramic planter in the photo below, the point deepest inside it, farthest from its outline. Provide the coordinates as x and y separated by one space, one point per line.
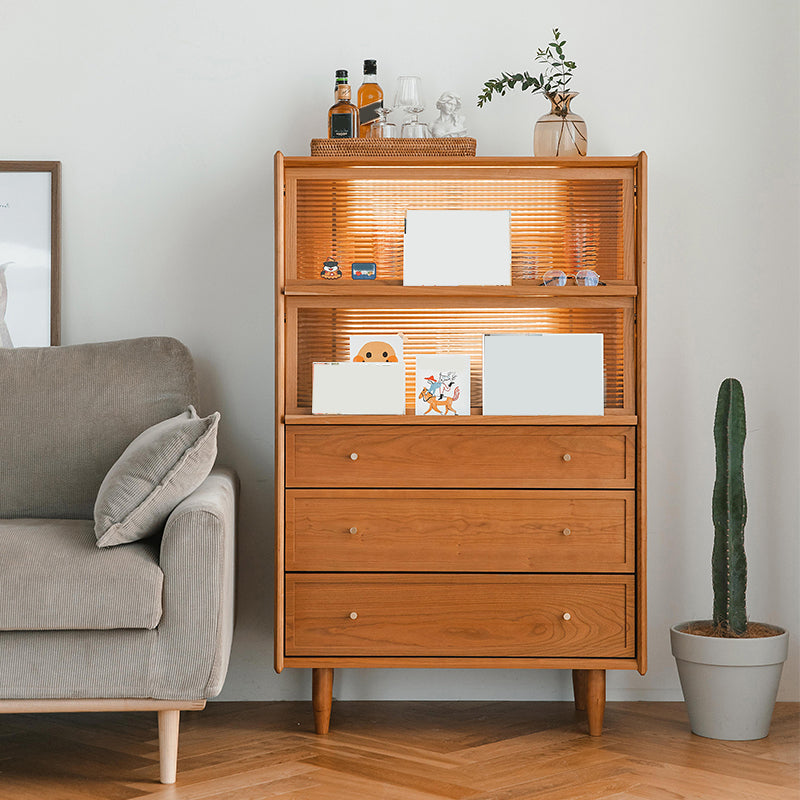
729 685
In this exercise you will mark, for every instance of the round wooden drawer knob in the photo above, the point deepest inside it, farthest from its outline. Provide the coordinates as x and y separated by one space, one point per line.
353 615
566 616
566 457
566 531
354 456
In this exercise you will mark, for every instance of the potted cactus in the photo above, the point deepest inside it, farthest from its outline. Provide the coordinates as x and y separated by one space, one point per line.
729 668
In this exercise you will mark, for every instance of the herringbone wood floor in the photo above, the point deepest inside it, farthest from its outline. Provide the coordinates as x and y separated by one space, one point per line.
398 751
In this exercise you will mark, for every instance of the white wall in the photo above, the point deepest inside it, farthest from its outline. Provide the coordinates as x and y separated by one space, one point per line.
166 115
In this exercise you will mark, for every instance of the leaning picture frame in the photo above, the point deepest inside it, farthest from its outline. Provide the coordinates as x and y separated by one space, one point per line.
30 253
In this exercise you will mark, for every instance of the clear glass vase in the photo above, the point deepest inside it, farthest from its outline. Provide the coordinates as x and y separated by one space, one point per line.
560 132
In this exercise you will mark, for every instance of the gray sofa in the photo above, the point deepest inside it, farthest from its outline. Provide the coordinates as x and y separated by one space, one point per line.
145 625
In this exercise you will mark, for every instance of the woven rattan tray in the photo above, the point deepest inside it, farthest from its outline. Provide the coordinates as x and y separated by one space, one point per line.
436 148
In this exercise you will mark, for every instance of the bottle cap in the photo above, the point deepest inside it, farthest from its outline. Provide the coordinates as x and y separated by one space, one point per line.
370 66
341 76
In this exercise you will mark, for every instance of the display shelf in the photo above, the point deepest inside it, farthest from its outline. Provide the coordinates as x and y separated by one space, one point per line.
319 331
305 417
394 288
575 213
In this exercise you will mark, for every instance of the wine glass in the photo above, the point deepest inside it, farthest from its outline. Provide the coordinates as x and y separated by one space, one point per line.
381 128
409 98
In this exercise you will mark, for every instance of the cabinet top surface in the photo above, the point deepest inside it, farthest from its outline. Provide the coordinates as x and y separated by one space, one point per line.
460 161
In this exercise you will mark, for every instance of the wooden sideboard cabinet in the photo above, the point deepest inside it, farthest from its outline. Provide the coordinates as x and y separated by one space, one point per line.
460 541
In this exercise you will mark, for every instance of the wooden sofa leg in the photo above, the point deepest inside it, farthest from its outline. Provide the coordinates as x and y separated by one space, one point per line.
168 726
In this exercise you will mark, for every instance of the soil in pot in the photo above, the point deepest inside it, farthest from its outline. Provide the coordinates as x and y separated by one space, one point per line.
755 630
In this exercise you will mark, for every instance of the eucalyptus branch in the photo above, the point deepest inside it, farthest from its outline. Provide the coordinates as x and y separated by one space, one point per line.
553 80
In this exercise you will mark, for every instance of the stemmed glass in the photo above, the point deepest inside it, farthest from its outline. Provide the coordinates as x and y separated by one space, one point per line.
409 98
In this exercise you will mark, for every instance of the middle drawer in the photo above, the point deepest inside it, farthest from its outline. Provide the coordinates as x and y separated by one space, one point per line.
459 531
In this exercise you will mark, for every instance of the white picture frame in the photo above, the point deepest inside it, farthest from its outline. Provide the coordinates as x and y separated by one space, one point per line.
457 247
30 253
442 385
543 373
351 387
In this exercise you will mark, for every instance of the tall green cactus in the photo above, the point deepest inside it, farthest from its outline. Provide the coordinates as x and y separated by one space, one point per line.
729 511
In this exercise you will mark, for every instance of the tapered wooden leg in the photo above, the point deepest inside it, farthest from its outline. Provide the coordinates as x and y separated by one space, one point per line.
579 688
595 700
168 726
322 693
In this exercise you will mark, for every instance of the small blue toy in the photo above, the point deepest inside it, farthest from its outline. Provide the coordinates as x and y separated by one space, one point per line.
364 271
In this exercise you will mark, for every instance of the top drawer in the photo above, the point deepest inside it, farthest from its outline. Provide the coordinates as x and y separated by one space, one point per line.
492 456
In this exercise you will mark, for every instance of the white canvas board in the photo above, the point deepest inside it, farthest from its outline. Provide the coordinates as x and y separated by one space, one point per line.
25 259
550 373
450 247
441 385
349 387
376 347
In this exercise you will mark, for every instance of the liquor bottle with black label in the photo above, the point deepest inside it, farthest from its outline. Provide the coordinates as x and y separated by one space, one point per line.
370 98
343 115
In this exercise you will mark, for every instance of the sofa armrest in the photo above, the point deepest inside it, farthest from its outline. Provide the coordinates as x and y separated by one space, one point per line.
198 561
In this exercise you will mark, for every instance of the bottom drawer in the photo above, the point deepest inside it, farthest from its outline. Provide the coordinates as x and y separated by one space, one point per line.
460 615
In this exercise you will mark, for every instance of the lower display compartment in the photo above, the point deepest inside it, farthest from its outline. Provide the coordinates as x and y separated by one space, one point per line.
461 616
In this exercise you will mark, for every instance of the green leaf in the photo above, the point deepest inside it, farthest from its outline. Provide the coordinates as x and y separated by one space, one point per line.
554 77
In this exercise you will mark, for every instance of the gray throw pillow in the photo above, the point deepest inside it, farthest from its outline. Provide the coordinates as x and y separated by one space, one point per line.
158 469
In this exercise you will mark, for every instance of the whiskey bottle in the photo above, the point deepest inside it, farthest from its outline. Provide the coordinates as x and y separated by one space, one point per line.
343 115
370 98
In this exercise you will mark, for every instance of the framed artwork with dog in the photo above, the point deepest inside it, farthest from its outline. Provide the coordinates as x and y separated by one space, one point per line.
441 385
30 253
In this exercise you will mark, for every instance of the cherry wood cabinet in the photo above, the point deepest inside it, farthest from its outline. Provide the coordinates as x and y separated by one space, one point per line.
469 541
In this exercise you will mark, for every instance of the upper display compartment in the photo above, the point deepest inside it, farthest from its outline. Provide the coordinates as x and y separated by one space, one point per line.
572 217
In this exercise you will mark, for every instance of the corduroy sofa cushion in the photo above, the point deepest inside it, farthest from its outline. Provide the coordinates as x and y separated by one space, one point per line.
158 469
54 577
